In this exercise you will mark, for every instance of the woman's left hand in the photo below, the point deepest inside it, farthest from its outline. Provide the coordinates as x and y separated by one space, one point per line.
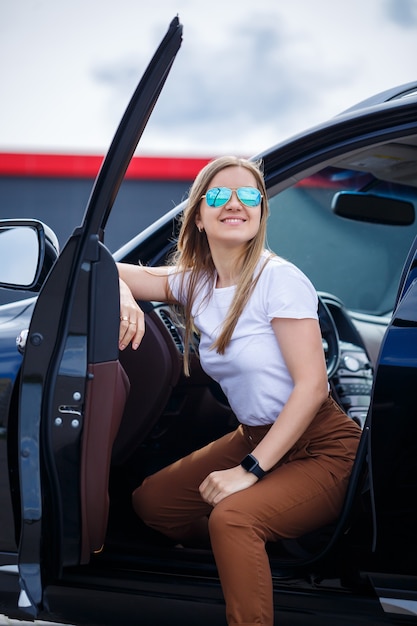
218 485
132 319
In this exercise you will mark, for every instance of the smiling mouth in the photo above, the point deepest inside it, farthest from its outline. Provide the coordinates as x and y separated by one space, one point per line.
233 220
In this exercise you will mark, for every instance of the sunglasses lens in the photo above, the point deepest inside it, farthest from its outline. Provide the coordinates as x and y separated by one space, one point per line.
249 196
218 196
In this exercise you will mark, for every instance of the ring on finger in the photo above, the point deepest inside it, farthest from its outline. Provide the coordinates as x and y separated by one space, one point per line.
124 319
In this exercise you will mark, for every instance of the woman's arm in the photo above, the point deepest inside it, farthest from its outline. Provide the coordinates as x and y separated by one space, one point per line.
146 283
139 283
301 346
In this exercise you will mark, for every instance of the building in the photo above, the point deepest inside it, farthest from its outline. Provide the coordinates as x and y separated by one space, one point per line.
55 189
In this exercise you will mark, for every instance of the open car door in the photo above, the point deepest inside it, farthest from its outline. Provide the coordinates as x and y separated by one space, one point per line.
393 453
73 388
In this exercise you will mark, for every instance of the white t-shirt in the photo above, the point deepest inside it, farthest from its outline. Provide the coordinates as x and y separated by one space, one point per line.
252 371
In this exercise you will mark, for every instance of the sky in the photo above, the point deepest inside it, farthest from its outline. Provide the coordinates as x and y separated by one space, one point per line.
248 75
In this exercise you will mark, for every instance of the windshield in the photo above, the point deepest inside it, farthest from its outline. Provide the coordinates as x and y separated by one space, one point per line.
359 262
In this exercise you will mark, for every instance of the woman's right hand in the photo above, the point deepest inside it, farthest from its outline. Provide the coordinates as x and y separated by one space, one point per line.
132 319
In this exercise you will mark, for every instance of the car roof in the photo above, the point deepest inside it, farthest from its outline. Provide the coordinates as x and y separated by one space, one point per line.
382 118
407 90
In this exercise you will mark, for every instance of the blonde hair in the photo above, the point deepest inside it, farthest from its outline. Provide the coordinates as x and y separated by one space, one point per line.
193 258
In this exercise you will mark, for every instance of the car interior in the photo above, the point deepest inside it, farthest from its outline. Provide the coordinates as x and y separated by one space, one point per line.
167 415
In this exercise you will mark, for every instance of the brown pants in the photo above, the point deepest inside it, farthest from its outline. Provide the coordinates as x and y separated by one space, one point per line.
302 493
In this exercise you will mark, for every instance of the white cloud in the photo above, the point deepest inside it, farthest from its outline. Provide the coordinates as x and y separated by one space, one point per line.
245 78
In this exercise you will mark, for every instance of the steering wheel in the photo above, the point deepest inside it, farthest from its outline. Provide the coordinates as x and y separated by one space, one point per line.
330 338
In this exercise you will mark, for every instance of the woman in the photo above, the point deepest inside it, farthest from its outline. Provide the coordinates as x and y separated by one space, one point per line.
284 471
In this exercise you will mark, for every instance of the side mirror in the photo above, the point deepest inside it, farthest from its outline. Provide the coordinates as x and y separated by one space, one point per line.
28 249
365 207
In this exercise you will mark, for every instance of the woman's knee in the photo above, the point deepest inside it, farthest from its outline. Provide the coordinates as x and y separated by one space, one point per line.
225 519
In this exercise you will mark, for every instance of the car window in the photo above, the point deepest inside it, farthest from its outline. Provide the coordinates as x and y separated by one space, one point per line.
359 262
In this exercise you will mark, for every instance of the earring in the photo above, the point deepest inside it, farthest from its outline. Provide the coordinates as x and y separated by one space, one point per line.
200 229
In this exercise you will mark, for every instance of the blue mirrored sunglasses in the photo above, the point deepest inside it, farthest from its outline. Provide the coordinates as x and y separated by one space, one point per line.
218 196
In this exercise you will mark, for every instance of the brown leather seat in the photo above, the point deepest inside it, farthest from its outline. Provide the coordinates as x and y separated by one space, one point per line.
107 391
153 371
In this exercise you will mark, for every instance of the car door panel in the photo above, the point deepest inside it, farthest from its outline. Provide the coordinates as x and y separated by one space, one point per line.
393 449
106 395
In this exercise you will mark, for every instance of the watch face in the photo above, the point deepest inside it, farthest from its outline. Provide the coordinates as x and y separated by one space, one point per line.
249 463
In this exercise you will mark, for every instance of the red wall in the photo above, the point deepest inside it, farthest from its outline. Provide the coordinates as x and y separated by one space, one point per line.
87 166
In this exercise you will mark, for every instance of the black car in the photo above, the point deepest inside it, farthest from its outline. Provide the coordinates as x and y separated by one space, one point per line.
82 424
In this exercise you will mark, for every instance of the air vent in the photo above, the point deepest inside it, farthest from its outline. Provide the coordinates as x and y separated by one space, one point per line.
172 329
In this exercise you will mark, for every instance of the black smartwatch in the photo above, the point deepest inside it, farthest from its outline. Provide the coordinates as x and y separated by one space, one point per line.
251 464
